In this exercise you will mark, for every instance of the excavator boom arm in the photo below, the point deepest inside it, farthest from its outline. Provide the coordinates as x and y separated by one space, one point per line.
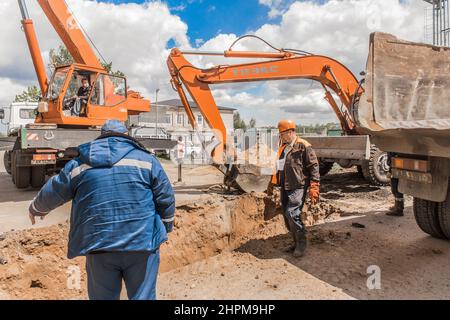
330 73
70 32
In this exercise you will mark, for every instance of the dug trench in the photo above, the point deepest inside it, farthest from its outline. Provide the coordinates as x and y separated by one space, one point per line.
33 263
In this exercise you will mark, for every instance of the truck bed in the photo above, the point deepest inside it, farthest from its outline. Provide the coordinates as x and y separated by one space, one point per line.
406 104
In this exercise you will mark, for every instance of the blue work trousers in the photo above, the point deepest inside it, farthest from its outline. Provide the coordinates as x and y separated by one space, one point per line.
106 270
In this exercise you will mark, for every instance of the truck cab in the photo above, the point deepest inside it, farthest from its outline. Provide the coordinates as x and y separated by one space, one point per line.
17 115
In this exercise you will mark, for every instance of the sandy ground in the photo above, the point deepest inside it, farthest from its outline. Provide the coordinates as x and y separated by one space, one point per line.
223 247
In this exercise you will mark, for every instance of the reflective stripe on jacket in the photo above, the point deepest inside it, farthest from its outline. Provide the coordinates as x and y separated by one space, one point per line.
121 198
301 165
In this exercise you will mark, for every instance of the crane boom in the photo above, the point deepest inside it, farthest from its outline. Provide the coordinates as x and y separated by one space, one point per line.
69 31
330 73
33 45
109 95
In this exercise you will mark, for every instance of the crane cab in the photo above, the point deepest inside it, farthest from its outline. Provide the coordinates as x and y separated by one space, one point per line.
107 98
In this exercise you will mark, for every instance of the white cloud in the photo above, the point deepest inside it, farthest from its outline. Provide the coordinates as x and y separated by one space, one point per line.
135 38
277 7
339 29
9 89
180 7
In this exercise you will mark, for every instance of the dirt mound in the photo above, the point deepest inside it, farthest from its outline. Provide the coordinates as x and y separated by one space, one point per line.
35 265
208 228
319 213
312 215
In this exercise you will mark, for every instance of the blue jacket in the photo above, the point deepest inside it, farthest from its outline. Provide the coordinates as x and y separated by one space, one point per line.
122 198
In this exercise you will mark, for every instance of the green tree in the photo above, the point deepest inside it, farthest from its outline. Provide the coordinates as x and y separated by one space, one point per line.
32 94
59 57
108 68
252 123
238 123
62 57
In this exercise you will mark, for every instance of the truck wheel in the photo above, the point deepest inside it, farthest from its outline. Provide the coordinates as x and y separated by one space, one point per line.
20 175
376 169
426 215
325 167
7 161
444 215
37 176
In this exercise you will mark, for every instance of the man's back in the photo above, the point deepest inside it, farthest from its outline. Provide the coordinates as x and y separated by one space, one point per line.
119 192
123 207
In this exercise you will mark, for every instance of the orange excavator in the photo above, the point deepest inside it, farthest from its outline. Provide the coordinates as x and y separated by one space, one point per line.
64 118
282 64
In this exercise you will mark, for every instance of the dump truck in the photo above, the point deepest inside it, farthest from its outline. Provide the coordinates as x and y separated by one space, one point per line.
405 108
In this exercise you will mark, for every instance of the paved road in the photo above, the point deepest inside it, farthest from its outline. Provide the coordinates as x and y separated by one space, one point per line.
14 203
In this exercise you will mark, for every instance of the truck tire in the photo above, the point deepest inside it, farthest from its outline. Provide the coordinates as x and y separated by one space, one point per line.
7 161
37 177
325 167
376 169
426 215
21 176
444 215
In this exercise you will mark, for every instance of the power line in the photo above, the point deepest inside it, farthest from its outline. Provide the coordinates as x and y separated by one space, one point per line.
85 33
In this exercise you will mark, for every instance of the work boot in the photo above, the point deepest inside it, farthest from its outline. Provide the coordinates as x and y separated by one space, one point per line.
292 247
397 209
300 243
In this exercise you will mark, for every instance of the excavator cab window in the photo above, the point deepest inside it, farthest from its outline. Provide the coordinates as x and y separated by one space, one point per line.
77 94
108 91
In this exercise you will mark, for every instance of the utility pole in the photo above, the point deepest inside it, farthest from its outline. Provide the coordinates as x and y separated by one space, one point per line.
156 106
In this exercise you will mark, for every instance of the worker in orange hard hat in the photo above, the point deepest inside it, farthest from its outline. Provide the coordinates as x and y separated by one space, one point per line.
297 171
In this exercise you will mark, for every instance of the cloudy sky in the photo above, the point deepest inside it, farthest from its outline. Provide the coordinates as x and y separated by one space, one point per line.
137 36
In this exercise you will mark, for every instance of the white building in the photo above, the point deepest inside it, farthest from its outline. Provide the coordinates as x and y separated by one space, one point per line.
173 117
170 116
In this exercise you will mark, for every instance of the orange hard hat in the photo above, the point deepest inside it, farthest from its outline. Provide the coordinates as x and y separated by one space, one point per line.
285 125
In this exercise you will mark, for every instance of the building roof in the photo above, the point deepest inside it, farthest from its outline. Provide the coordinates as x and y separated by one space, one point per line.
178 103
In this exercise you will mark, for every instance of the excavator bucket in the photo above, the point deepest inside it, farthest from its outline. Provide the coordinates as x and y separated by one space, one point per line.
253 169
252 178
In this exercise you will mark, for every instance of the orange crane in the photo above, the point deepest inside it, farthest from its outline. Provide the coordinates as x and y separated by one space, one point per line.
283 64
110 97
64 119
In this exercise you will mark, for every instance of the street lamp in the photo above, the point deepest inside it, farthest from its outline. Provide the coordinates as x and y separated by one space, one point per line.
156 106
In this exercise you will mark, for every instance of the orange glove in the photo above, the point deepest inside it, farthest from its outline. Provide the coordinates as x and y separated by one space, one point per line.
314 192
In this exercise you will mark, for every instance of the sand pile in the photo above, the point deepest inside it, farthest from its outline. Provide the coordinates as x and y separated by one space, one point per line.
33 263
312 215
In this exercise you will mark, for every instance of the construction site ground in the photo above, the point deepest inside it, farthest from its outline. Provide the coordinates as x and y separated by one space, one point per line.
233 246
